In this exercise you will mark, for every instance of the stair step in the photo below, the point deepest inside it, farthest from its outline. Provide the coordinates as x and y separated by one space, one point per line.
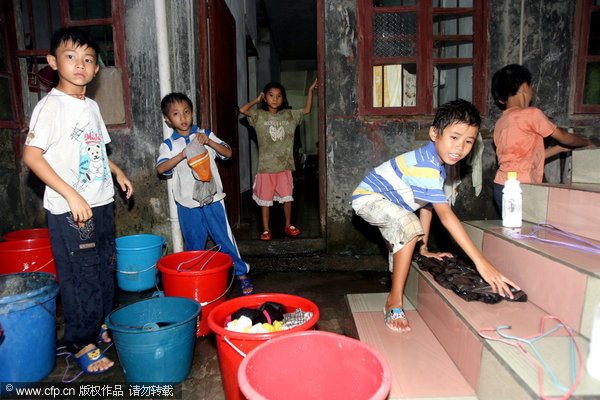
585 166
502 371
420 366
574 208
561 281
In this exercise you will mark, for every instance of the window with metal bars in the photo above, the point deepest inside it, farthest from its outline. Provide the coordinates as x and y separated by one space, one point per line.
417 54
32 23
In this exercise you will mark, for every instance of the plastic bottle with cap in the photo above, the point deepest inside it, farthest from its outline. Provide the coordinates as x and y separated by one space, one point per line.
512 202
593 361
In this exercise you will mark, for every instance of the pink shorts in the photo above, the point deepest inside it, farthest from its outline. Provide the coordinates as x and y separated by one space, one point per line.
273 187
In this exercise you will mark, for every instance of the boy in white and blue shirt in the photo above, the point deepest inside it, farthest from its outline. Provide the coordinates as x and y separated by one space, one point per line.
198 220
391 193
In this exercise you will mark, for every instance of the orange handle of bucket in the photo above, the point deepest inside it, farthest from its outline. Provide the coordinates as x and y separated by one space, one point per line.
40 268
204 253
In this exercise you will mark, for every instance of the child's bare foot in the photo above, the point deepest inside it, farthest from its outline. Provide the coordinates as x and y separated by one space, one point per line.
91 360
395 319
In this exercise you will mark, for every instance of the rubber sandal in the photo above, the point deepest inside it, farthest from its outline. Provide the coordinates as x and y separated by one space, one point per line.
88 359
393 315
292 230
266 235
103 329
245 284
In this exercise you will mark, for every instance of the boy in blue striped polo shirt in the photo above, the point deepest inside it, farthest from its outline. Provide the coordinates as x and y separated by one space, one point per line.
389 196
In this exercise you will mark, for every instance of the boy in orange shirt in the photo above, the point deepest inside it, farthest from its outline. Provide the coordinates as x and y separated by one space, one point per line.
519 134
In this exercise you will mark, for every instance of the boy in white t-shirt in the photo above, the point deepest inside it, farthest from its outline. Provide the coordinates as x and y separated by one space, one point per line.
66 149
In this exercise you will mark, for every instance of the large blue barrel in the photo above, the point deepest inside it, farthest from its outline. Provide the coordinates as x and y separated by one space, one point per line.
28 341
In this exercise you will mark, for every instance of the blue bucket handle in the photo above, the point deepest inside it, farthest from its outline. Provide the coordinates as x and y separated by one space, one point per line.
149 326
218 247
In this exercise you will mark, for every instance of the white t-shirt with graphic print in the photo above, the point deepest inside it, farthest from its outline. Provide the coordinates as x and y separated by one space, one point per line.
73 138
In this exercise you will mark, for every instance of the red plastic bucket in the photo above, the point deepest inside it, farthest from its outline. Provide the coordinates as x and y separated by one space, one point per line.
37 233
32 255
325 365
231 344
202 276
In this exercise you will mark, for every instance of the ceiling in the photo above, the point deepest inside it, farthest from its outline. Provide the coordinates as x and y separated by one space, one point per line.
293 27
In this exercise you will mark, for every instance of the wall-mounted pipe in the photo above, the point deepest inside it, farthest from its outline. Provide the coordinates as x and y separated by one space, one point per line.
522 24
164 76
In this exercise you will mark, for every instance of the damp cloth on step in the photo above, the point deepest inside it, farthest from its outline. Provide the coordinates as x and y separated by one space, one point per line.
462 277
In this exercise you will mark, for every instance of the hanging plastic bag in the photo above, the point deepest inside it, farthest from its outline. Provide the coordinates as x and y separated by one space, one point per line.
198 160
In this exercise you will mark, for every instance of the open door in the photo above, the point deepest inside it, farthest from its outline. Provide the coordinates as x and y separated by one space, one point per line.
218 91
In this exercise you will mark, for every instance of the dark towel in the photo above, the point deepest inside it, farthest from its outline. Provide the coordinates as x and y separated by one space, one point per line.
462 277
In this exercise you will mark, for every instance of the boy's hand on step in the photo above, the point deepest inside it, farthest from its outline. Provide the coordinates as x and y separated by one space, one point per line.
496 280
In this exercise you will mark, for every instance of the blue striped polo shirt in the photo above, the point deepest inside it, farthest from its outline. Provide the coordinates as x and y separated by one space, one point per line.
411 180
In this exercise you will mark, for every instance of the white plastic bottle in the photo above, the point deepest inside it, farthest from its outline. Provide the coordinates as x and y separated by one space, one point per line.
512 202
593 361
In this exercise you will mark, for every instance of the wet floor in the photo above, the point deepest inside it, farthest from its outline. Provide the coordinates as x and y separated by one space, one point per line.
326 289
285 265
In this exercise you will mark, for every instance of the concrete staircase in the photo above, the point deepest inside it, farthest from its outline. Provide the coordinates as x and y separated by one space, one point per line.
444 357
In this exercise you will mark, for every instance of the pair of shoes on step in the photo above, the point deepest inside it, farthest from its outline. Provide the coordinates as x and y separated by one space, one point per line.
290 230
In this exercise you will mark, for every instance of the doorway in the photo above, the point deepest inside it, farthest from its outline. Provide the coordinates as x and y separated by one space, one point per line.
286 52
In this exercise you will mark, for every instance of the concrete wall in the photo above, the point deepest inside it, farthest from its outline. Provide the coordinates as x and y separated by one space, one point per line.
135 149
354 145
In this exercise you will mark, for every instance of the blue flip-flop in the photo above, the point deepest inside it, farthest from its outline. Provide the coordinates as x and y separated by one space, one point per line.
88 359
244 284
103 329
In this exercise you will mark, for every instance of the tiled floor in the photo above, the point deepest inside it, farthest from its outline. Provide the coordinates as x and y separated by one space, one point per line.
430 373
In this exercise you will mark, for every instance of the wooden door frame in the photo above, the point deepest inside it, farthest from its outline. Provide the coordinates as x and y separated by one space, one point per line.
205 97
321 122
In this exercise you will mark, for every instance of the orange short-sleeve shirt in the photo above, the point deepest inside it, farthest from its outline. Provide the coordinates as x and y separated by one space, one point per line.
519 138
